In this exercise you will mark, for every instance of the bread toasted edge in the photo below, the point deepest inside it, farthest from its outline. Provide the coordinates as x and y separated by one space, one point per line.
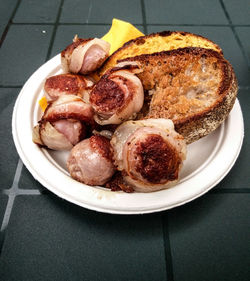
141 40
201 124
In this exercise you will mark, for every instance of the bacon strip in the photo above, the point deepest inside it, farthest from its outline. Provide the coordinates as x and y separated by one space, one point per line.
69 106
116 97
67 84
85 55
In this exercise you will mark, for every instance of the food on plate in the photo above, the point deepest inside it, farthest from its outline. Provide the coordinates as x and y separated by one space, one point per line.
120 33
194 87
69 106
67 84
127 127
43 103
84 55
63 123
90 161
157 42
149 153
59 135
117 96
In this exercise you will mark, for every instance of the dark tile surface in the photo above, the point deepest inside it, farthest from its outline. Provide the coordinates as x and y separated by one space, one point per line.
6 10
3 204
36 11
18 64
243 33
28 182
238 11
9 157
92 11
46 238
239 176
50 239
225 38
77 11
184 12
210 238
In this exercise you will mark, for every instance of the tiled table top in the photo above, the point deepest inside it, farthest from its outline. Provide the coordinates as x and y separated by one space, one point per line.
43 237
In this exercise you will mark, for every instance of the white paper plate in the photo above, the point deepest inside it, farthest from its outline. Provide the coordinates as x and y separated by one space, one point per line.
208 160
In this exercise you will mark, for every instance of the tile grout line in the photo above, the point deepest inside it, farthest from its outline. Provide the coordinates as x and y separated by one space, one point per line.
33 23
230 190
241 46
203 24
235 33
7 214
17 174
167 248
244 87
28 192
54 29
152 24
89 11
12 192
11 86
144 21
4 34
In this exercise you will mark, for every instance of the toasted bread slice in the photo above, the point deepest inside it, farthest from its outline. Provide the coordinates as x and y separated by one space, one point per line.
157 42
194 87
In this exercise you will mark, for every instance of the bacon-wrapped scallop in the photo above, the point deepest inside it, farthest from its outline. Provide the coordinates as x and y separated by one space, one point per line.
59 135
149 153
117 97
67 84
90 161
84 55
63 123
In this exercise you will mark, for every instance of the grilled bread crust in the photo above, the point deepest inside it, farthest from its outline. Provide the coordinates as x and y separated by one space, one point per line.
158 42
195 87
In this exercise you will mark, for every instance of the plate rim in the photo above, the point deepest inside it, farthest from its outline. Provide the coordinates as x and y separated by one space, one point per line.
53 62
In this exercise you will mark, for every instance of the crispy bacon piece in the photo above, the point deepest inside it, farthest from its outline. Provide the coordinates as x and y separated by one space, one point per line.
117 183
